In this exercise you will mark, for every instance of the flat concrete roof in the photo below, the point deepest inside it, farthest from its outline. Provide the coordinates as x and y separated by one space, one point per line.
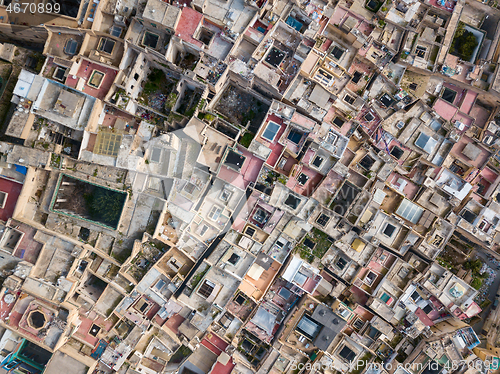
64 364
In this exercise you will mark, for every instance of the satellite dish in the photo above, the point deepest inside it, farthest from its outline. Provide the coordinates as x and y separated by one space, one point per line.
9 298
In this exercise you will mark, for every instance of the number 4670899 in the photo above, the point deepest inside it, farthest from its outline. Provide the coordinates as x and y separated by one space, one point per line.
33 8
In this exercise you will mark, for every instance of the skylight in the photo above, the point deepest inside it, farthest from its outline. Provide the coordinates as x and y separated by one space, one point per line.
409 211
426 142
270 131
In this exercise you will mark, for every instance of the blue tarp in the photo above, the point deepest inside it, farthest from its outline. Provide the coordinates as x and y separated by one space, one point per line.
21 169
99 350
293 23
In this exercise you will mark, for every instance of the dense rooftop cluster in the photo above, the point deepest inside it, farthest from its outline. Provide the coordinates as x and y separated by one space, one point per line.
241 186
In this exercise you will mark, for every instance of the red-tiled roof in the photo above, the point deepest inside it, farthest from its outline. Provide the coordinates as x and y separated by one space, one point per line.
85 72
13 189
174 322
188 23
423 317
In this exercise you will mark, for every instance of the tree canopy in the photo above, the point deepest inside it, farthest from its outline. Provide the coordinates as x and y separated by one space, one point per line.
105 206
464 43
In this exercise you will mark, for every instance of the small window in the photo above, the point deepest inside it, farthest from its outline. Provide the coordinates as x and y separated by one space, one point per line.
136 76
369 117
116 31
270 131
420 51
358 323
96 79
225 195
202 230
150 40
370 278
427 309
341 263
413 86
106 45
292 201
70 47
294 136
302 179
437 241
240 299
322 220
250 231
389 230
349 99
226 320
215 213
415 296
338 121
206 289
449 95
318 160
233 260
205 36
356 77
397 152
337 53
59 73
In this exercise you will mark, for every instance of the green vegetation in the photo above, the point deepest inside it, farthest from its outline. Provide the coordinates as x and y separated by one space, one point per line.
248 117
105 206
39 64
282 179
305 254
474 265
179 356
321 243
171 100
206 116
113 271
477 283
154 82
444 263
198 277
55 160
246 139
464 43
396 340
7 95
478 277
175 117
